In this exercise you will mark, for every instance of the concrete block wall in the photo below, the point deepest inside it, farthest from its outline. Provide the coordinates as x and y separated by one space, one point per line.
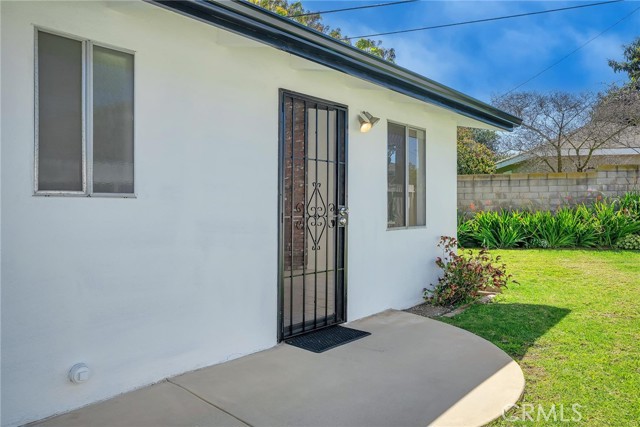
544 191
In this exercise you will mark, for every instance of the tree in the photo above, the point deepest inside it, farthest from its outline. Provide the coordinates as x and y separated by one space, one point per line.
620 105
631 65
473 157
314 20
375 48
486 137
561 128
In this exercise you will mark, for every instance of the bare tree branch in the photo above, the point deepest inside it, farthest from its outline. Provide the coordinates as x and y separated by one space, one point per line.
564 128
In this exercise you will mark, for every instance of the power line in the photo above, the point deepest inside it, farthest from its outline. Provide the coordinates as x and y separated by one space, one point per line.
476 21
324 12
571 53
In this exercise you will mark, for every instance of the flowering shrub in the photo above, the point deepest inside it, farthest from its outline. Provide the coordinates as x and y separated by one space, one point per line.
629 242
466 275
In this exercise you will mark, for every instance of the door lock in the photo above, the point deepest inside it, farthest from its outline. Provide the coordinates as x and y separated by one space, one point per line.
343 214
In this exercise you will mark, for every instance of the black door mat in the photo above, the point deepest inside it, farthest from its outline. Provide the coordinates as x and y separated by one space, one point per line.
327 338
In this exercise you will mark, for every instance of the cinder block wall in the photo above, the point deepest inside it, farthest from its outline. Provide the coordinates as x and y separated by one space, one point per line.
544 191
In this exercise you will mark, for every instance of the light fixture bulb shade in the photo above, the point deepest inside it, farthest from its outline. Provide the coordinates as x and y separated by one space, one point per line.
367 121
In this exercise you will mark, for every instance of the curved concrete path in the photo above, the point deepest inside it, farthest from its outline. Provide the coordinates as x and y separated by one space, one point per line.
411 371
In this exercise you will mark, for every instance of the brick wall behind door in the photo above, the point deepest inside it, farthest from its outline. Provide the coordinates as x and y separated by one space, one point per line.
295 169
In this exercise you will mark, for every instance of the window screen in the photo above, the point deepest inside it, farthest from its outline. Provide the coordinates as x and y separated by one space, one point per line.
416 188
112 121
396 176
60 145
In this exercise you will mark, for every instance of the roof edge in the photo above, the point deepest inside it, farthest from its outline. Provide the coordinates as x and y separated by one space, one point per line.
256 23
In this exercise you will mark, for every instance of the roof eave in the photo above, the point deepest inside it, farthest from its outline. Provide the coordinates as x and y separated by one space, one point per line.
255 23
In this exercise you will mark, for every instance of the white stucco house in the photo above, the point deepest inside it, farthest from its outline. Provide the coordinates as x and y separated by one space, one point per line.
184 183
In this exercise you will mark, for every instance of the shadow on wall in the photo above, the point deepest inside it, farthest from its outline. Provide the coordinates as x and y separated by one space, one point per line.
512 327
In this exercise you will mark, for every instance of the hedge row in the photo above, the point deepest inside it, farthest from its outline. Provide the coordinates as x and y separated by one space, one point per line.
606 223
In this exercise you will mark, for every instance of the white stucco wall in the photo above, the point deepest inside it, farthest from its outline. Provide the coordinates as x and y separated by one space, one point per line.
184 275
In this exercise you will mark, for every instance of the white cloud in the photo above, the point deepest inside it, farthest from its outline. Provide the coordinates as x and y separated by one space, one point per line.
433 59
595 55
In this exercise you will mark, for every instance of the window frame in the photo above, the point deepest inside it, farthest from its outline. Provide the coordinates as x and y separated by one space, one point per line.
408 127
87 118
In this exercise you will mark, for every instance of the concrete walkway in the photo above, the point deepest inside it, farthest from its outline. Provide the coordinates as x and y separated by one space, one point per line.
411 371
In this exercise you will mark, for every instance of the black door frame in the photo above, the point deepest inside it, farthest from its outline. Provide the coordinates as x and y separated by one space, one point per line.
283 93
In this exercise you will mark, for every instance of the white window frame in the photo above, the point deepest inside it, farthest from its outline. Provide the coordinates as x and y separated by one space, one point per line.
87 118
407 128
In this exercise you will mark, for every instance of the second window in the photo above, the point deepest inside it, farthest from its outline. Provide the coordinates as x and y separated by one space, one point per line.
406 193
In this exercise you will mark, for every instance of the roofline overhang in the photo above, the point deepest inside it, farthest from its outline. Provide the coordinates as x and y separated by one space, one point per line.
258 24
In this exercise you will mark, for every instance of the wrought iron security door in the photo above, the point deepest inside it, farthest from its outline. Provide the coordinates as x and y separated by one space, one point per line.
313 212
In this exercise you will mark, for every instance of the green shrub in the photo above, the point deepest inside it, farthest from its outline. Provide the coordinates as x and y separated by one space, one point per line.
499 229
537 243
587 230
465 275
557 231
630 203
629 242
613 223
466 232
599 225
473 157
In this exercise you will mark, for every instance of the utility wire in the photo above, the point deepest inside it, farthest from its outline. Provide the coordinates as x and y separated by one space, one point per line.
324 12
476 21
571 53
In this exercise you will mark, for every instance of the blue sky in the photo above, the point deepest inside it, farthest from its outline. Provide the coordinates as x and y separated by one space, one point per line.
486 59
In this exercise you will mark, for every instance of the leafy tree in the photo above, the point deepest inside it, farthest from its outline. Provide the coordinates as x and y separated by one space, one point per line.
375 48
284 8
631 65
473 157
486 137
294 9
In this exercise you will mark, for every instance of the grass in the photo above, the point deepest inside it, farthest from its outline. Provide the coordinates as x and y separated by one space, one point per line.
573 325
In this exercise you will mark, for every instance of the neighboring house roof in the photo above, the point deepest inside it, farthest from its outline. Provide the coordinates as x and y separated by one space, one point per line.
290 36
627 144
523 157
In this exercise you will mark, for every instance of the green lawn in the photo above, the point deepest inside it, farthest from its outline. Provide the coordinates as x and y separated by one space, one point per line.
573 325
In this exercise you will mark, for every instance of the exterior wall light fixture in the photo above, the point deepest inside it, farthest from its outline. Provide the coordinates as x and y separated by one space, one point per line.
367 121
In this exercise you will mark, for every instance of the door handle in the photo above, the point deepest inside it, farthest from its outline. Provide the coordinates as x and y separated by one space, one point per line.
343 214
